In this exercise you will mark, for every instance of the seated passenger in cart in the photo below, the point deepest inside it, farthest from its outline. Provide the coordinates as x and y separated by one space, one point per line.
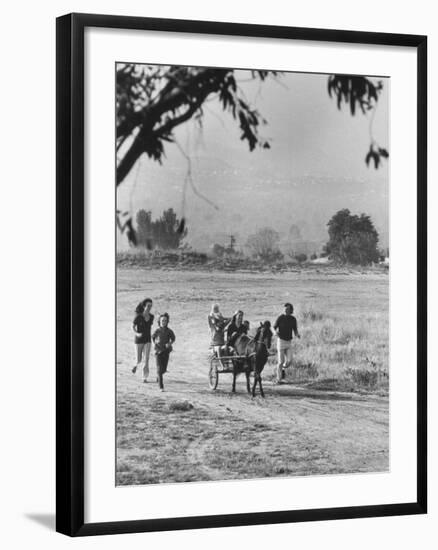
217 324
236 327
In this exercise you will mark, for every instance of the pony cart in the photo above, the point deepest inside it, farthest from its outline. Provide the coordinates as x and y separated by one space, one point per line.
222 365
251 355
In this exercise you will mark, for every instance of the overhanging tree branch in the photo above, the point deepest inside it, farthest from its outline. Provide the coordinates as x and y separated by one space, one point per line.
155 104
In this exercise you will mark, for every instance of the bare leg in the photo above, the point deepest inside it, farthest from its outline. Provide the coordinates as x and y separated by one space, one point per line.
281 363
147 351
162 360
218 352
139 349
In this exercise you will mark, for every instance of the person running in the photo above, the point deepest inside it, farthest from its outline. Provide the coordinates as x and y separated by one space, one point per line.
142 330
285 327
236 328
163 339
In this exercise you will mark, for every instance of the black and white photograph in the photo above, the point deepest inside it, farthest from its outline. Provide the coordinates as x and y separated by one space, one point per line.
252 273
217 253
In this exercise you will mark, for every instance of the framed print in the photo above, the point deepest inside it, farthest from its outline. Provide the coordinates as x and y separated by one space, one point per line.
241 274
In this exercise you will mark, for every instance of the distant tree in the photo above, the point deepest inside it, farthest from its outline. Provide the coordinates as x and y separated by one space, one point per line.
145 236
264 244
352 239
218 250
170 231
295 232
166 232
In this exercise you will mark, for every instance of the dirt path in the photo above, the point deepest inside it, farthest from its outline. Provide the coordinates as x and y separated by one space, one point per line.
293 431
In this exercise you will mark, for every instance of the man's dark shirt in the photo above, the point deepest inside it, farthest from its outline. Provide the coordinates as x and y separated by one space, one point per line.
287 326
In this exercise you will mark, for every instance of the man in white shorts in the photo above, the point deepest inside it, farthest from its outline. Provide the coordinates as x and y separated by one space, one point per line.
285 327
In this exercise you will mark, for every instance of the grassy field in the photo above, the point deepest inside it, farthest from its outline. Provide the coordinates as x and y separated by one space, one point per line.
330 416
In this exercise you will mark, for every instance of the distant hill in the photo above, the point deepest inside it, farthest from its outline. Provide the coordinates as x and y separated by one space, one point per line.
248 199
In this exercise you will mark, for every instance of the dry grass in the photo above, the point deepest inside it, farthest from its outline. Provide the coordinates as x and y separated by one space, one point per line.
346 352
138 258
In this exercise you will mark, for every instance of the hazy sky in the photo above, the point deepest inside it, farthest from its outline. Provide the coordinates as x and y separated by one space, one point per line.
309 137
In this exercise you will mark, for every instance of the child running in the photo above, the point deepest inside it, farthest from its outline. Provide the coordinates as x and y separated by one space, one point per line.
163 339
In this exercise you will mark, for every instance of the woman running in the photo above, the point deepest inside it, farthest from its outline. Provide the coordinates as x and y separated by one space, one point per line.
142 330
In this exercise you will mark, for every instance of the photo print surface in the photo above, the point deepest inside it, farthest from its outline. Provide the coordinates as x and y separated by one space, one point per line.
252 273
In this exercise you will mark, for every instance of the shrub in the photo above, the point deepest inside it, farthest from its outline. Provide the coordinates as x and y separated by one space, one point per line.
183 406
363 377
312 315
300 258
218 250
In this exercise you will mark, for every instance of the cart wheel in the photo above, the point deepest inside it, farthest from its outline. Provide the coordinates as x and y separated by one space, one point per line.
213 375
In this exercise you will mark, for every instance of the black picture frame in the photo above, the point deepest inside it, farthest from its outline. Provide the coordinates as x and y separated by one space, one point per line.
70 273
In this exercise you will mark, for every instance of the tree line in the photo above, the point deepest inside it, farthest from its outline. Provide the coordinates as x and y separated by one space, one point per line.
353 238
167 232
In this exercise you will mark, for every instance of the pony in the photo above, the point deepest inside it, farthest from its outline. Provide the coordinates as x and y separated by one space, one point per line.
255 352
